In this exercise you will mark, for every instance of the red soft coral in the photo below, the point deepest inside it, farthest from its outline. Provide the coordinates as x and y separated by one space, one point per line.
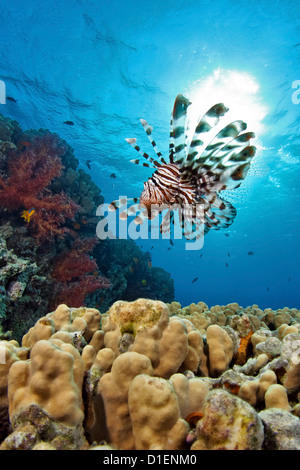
72 274
29 172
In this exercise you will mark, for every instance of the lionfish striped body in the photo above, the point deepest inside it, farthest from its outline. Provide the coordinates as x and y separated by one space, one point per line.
196 173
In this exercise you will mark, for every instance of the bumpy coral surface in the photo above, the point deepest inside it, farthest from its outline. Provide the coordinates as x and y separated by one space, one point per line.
144 376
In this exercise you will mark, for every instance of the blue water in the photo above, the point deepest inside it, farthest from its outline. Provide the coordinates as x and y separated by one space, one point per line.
105 64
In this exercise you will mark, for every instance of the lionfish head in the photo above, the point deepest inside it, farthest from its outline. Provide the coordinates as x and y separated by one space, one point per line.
150 199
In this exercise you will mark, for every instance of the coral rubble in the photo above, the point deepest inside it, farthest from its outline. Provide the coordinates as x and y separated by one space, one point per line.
146 375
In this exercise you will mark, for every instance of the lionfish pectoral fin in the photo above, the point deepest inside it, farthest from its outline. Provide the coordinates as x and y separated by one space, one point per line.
167 220
203 128
220 213
148 129
133 142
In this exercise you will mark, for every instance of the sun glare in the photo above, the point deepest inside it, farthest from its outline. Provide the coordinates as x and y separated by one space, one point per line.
239 91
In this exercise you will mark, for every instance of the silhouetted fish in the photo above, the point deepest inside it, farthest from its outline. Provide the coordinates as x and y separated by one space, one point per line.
250 253
10 98
195 280
69 123
194 173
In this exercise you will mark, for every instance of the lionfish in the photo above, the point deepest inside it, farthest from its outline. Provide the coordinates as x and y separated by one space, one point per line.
195 174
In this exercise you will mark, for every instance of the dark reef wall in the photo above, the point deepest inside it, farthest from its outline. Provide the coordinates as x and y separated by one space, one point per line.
49 253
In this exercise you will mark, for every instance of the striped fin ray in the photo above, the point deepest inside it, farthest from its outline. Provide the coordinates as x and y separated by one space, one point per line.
230 151
148 129
171 142
193 222
167 220
133 210
221 213
227 174
114 205
206 123
154 164
227 134
178 136
236 168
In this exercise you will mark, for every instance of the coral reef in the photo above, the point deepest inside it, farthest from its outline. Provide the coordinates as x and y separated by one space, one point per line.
143 376
49 254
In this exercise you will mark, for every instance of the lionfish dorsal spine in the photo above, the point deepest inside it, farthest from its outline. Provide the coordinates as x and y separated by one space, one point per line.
226 135
178 131
206 124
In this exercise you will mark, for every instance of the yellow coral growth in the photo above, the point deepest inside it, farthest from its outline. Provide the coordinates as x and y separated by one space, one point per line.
243 350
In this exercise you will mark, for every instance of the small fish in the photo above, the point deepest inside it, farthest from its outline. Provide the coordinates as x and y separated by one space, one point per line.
27 214
10 98
227 265
113 176
87 162
195 280
228 254
144 282
69 123
250 253
23 145
149 264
